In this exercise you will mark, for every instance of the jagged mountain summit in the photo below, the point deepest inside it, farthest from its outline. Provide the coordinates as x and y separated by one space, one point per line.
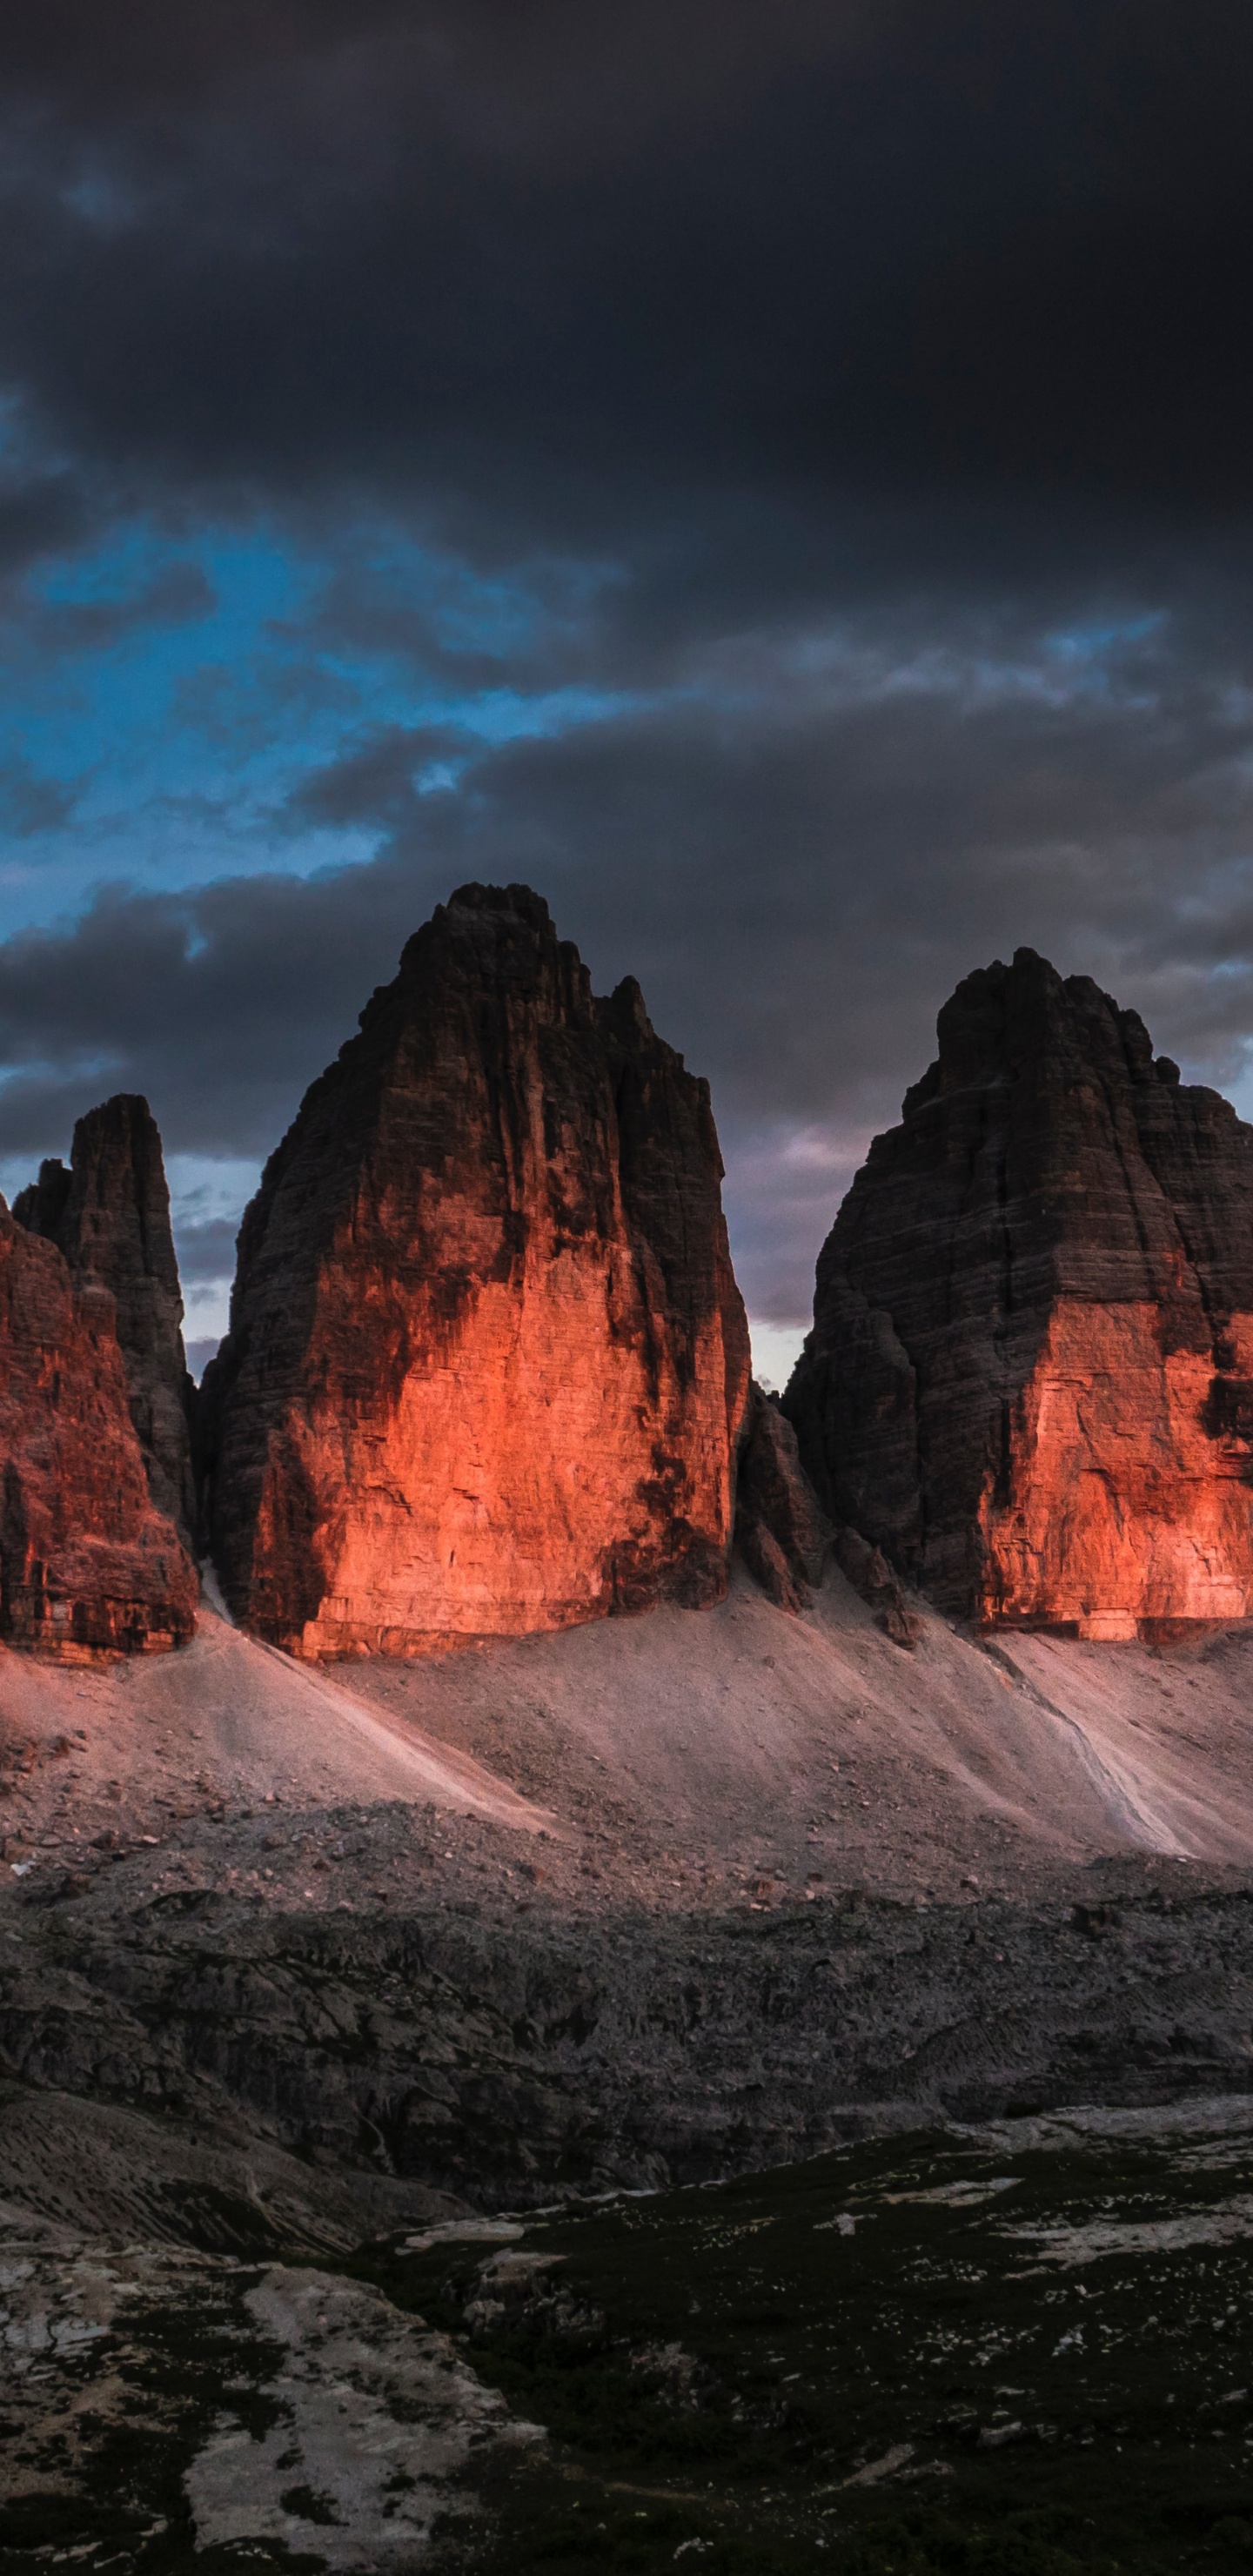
86 1559
1030 1375
109 1215
488 1368
488 1364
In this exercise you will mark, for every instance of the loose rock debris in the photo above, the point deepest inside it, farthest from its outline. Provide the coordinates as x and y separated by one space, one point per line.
159 2403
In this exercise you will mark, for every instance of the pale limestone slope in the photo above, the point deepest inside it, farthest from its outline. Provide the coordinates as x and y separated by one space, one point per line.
230 1718
683 1751
717 1735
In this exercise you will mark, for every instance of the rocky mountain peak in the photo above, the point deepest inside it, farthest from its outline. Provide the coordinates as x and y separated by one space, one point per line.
487 1363
1030 1377
109 1215
86 1559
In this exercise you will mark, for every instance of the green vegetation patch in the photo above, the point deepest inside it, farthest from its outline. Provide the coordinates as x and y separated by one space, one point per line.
937 2357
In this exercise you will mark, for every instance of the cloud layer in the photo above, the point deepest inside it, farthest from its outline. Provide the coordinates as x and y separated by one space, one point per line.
774 477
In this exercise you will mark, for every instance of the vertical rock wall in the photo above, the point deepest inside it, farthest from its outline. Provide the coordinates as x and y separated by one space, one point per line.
1030 1377
487 1362
110 1217
86 1560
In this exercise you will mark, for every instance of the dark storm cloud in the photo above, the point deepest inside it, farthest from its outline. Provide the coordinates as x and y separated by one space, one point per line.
38 513
378 781
855 399
30 804
206 1250
798 880
800 860
176 593
219 1005
568 256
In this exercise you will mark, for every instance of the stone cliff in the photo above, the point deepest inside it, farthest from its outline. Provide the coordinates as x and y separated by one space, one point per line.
110 1217
487 1363
1030 1376
86 1560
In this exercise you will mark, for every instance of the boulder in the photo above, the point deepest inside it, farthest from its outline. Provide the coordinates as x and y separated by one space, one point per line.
487 1363
110 1217
86 1559
1030 1375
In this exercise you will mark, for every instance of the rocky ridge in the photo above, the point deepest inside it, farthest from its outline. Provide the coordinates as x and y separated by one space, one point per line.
487 1371
487 1363
504 2059
86 1559
109 1215
1030 1376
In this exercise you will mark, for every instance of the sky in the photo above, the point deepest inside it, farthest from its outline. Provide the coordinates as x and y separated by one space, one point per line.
776 478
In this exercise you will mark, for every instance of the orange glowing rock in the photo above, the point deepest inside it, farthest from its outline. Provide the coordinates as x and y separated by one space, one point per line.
86 1560
1126 1505
1030 1379
487 1363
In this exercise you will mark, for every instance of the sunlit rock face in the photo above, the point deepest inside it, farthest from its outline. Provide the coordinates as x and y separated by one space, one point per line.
487 1362
1030 1378
110 1216
86 1560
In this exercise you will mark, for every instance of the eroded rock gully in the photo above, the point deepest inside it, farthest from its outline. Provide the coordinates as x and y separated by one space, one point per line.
1030 1376
781 1530
487 1362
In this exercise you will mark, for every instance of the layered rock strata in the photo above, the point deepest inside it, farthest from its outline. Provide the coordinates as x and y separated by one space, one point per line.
1030 1377
487 1362
86 1559
110 1217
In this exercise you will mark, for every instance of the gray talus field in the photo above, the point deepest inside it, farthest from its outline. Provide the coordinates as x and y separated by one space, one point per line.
674 1752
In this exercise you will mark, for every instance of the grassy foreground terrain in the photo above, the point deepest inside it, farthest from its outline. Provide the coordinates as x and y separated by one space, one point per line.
1021 2350
1015 2355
